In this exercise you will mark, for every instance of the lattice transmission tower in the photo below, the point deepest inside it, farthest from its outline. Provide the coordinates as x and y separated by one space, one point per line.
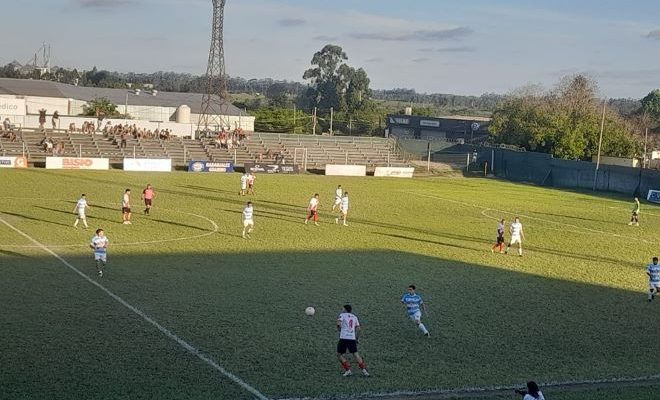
214 100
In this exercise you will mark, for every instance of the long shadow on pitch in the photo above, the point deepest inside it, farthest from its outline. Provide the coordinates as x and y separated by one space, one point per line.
35 219
239 308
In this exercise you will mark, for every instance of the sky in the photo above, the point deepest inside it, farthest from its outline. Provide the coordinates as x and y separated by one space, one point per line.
466 47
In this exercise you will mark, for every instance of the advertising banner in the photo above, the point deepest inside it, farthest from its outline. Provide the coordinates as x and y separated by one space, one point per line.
346 170
13 162
397 172
77 163
210 166
653 196
14 107
272 168
148 164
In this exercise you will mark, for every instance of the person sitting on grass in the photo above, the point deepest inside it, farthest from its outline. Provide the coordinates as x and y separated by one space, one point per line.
532 392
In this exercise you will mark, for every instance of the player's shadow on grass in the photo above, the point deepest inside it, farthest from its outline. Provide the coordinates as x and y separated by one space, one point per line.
13 254
162 221
73 216
576 217
37 219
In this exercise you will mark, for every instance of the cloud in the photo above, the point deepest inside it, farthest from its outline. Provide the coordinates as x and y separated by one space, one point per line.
654 34
458 49
291 22
420 36
91 4
420 60
324 38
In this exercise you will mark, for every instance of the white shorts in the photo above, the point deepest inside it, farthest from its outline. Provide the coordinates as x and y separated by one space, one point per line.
654 285
417 316
101 256
81 215
344 210
243 186
515 239
248 222
337 201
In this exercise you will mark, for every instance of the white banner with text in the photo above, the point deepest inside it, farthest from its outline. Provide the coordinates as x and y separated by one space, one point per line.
346 170
396 172
77 163
148 164
13 162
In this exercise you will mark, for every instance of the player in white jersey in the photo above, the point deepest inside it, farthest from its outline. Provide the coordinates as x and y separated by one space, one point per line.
338 195
532 393
126 207
80 207
348 327
653 271
414 306
244 181
517 236
343 208
99 244
248 220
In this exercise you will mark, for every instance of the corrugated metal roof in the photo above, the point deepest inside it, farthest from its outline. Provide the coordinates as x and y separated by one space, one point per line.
37 88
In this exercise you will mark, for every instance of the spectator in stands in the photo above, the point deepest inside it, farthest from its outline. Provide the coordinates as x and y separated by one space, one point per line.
6 124
99 118
11 136
72 127
47 144
42 118
59 148
55 120
122 143
218 142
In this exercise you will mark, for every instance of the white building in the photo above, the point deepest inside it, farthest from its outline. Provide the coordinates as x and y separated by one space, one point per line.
21 100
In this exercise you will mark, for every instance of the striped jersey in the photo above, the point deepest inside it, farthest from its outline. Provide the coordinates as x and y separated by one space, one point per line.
100 244
81 204
654 273
412 302
344 203
516 229
248 212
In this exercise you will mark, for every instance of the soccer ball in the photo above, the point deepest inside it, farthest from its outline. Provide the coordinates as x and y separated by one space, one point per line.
310 311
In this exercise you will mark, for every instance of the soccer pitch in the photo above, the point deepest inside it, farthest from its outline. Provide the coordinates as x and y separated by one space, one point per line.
188 309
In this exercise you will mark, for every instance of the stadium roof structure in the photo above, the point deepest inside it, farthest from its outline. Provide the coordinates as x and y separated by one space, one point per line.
39 88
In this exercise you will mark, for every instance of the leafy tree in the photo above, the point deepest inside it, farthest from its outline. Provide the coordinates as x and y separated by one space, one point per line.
651 104
564 122
100 106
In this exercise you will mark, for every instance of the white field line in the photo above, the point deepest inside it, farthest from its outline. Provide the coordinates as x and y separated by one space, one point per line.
581 229
187 346
487 390
214 225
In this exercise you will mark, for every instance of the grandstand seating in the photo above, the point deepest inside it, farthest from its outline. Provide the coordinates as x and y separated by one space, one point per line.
260 147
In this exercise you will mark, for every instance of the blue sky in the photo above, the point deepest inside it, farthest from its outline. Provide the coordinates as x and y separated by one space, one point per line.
461 47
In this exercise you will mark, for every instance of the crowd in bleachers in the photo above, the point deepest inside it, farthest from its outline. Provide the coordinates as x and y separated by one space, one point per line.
7 130
229 140
136 132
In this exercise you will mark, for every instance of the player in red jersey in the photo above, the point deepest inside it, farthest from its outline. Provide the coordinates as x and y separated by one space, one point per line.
313 209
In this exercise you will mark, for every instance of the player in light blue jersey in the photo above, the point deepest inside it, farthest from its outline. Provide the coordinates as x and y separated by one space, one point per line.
414 305
99 244
653 271
248 220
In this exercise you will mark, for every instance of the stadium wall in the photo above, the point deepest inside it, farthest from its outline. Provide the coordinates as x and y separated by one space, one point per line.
543 169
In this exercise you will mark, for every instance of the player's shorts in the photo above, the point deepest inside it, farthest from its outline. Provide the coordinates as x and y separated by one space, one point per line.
243 186
345 345
344 210
516 239
500 239
337 201
125 210
416 316
101 257
654 285
250 185
248 222
147 202
81 215
312 213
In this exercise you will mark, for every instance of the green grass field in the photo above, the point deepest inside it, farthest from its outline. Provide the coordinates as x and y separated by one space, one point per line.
572 309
